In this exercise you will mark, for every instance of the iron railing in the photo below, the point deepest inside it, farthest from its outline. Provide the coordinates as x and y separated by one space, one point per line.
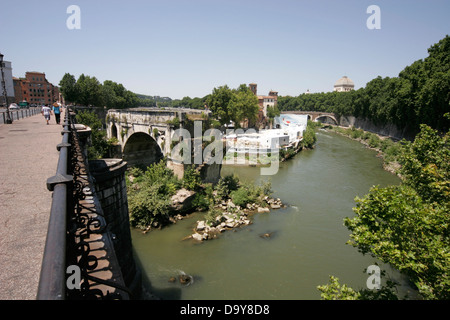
17 114
73 220
53 270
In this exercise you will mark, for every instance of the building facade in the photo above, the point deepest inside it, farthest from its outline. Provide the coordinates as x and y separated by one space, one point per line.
264 101
36 89
9 84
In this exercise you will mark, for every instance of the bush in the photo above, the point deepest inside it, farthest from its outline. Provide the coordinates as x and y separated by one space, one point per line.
191 179
374 141
211 217
241 197
148 206
225 185
149 197
251 193
309 138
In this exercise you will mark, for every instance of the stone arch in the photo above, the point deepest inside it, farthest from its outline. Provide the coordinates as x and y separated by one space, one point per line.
140 148
326 116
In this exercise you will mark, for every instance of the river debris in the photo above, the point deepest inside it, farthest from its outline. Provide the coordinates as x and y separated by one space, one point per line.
266 235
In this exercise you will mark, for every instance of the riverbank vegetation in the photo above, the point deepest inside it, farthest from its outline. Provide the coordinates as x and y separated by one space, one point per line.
407 225
151 191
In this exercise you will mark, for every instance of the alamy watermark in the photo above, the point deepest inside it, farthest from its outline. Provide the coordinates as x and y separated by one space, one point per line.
234 147
374 280
374 20
74 20
74 279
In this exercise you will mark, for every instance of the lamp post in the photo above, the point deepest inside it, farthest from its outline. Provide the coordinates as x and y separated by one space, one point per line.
5 94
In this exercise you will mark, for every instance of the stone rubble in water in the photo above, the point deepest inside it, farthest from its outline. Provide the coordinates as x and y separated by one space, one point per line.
230 220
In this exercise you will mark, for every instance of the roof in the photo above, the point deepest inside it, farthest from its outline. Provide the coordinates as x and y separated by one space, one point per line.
344 81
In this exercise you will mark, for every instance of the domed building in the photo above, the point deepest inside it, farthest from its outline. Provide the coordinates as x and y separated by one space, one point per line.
344 84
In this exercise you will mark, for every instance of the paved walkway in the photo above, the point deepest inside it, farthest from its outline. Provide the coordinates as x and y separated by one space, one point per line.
28 156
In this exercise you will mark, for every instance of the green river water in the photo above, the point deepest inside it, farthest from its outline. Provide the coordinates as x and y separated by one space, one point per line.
308 242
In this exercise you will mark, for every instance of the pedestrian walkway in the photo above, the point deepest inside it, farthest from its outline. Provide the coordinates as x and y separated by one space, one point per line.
28 156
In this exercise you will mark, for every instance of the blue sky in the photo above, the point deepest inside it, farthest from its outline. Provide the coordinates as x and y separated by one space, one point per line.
186 48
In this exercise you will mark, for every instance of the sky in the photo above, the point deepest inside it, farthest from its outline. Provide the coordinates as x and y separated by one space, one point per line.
176 48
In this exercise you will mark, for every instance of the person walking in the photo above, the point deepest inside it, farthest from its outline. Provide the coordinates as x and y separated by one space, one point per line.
46 112
57 112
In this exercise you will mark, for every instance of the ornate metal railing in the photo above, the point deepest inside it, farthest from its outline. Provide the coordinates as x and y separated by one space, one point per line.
77 235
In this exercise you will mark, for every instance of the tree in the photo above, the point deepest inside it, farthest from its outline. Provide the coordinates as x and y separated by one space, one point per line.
68 88
89 91
233 105
272 112
116 96
243 105
407 226
218 103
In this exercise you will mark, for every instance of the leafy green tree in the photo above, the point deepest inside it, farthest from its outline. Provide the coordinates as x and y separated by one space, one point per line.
233 104
68 88
89 91
243 105
114 95
407 226
218 102
335 291
272 112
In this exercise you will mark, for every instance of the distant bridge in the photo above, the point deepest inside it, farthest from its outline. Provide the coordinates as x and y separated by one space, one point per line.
316 115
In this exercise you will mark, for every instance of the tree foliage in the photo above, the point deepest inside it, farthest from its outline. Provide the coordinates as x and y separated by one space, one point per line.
149 195
407 226
68 87
88 91
233 104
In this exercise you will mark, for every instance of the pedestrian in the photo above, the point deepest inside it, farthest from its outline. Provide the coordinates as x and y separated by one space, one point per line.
46 112
57 112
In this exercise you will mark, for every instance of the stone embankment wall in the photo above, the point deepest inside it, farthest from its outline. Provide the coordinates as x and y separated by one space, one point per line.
111 190
388 129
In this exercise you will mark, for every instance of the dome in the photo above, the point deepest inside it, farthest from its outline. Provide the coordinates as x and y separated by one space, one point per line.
344 81
344 84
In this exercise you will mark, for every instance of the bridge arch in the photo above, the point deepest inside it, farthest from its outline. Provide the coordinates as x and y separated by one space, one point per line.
326 116
141 149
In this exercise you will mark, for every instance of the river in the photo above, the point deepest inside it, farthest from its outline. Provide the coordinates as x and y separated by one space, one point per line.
308 242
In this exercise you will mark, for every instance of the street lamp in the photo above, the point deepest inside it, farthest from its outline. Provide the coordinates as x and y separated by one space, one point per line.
5 94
